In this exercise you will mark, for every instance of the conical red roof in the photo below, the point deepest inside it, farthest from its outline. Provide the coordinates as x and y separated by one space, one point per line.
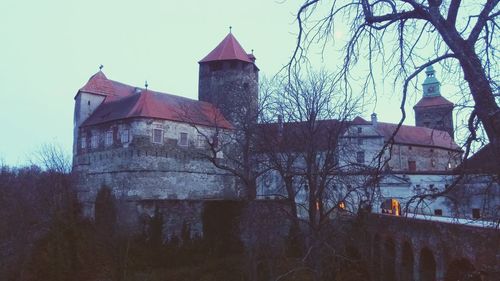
228 49
98 84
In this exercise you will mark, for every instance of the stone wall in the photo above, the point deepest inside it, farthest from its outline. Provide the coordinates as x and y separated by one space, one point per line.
141 170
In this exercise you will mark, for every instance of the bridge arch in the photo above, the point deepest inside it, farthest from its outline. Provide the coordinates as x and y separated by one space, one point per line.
389 260
461 270
376 257
427 268
407 262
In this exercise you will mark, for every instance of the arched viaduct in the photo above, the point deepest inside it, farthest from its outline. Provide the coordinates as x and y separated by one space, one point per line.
406 249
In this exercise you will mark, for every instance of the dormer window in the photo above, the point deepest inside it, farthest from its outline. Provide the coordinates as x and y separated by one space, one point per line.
108 141
183 139
157 136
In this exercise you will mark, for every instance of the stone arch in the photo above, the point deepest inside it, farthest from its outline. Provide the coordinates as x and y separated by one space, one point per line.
389 260
427 268
407 262
461 270
376 257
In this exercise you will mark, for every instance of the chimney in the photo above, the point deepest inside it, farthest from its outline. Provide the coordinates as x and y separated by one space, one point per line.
374 119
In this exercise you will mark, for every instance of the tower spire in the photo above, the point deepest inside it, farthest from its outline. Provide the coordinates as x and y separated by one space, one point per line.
431 85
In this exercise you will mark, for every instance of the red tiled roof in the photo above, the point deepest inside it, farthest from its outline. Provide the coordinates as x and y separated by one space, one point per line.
433 101
228 49
416 135
298 136
124 101
98 84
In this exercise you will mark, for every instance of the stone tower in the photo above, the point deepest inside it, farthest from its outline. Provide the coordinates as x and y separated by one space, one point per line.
228 78
433 110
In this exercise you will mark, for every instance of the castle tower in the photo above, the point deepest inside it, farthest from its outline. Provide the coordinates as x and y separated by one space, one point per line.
433 110
228 78
87 99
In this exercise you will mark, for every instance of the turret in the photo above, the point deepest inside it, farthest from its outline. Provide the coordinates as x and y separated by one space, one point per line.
88 98
228 78
433 110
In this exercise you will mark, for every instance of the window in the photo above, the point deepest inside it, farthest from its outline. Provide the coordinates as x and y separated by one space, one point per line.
360 141
449 165
94 141
412 166
433 163
360 130
83 142
440 124
200 141
157 133
341 205
476 213
125 137
109 138
183 139
438 212
360 157
427 124
410 147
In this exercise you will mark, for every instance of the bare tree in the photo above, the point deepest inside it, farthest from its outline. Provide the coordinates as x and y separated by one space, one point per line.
303 151
53 158
405 36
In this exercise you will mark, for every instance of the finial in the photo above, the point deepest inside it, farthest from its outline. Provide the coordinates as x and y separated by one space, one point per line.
252 51
230 29
101 67
146 84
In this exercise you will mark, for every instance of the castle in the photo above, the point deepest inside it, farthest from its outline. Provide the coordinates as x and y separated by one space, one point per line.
146 146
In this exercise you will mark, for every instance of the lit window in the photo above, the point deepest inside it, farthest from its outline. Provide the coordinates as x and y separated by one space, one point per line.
183 139
125 137
109 138
449 165
94 141
158 133
342 205
360 157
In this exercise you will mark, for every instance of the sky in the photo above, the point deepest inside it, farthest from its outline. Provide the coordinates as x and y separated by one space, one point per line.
50 48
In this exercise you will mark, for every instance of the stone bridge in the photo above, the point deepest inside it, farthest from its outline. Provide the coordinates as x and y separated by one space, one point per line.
401 249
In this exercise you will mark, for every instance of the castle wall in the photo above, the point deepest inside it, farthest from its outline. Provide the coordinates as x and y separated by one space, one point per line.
143 170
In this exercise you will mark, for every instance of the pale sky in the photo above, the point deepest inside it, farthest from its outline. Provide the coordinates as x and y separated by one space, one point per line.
50 48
